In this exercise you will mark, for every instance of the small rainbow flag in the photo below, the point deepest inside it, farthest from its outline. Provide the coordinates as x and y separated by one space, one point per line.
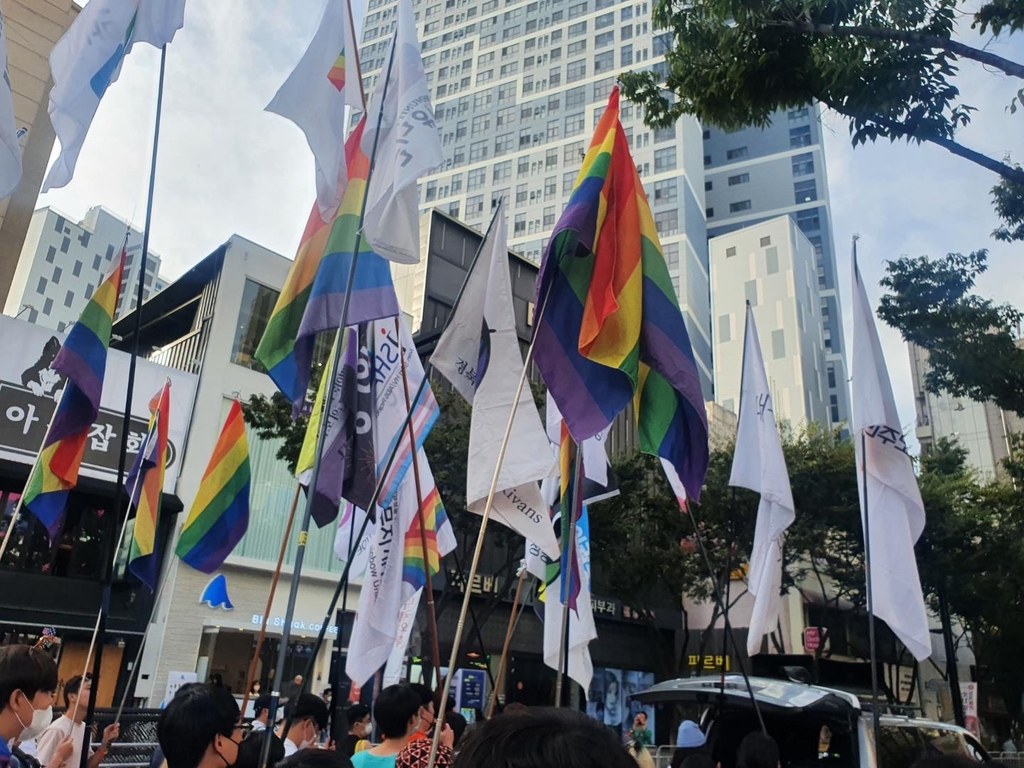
220 513
336 74
433 518
145 486
610 330
83 360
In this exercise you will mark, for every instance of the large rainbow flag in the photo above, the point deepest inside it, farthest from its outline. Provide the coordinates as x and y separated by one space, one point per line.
145 486
609 329
220 513
83 360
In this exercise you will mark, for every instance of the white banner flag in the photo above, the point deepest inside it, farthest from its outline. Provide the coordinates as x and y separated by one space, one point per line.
87 59
406 625
10 147
891 501
315 95
408 146
486 323
759 464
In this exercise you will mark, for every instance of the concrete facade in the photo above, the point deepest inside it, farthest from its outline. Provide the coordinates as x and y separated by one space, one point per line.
770 265
32 27
62 263
753 175
517 91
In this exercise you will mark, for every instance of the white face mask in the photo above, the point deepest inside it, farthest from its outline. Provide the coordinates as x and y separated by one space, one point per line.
40 719
307 743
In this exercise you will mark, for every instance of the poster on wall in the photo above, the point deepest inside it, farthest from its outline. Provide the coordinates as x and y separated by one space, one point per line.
608 699
969 694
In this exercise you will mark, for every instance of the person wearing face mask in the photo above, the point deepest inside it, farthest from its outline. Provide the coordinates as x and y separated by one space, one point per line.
199 729
425 726
308 717
28 679
396 714
360 728
48 746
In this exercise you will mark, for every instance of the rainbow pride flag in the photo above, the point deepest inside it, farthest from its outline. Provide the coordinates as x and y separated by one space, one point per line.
83 361
220 512
609 329
145 486
434 517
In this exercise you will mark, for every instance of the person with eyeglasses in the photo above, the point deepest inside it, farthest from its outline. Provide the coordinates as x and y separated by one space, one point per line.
28 680
200 729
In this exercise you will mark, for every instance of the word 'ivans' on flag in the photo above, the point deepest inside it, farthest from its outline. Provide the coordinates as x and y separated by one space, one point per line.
220 512
609 330
408 145
315 96
479 353
890 500
87 60
759 464
83 361
145 485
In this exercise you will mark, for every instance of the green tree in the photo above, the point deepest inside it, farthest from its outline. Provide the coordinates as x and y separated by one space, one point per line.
889 68
971 341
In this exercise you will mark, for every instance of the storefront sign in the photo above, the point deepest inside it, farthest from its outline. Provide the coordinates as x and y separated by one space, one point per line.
812 638
969 694
297 625
174 681
215 594
708 663
30 391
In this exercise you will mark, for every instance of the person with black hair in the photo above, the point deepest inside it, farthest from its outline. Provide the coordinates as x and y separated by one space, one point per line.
251 750
457 722
28 680
425 725
758 750
308 717
316 758
260 713
396 712
77 692
360 728
543 738
199 729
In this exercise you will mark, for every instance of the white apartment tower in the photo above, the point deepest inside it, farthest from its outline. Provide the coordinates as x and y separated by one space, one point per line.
518 87
62 263
772 266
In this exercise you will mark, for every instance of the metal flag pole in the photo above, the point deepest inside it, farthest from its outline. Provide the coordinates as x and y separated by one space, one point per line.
435 646
512 621
728 577
873 650
300 551
126 423
565 572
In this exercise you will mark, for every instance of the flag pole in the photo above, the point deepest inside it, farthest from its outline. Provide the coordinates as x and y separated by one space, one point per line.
435 646
478 549
251 676
508 642
338 671
872 646
730 536
566 572
300 551
472 617
126 423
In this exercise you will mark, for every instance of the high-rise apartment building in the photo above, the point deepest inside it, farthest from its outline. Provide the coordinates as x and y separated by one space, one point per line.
62 263
518 87
752 175
772 266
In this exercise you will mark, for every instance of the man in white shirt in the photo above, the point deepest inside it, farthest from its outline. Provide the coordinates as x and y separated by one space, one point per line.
307 716
76 698
260 713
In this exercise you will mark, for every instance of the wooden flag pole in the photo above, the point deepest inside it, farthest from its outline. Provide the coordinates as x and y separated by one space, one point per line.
508 642
435 646
251 676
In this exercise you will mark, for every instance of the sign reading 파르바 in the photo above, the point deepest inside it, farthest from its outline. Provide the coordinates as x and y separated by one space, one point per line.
30 391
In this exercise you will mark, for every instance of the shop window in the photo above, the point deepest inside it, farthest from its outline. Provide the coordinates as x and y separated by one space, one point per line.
257 305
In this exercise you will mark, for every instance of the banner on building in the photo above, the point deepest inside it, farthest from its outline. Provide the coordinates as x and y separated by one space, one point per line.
30 390
969 694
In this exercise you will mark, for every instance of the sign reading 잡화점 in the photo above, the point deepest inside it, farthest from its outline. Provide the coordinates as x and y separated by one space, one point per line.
30 391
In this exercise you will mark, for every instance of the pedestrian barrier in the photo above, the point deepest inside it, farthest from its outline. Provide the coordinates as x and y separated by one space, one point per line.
1009 759
135 746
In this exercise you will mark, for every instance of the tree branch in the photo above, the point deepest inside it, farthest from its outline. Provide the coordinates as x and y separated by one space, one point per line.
912 39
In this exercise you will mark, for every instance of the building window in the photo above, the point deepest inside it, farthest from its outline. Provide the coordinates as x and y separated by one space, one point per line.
707 160
69 299
742 205
803 164
65 244
798 114
808 219
574 124
830 372
96 263
575 97
41 288
88 291
51 254
549 216
671 253
573 153
604 40
477 151
800 137
56 275
575 30
481 124
475 205
664 159
750 292
730 251
476 179
805 191
576 70
833 402
504 144
502 171
568 181
47 306
575 49
709 212
765 242
665 192
431 192
778 344
771 259
741 178
736 154
667 222
257 305
708 186
724 329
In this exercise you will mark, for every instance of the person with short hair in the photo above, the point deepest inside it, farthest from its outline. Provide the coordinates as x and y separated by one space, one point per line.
28 680
427 710
758 750
251 750
640 734
457 722
360 728
316 758
292 689
199 729
396 712
77 692
543 738
308 717
260 713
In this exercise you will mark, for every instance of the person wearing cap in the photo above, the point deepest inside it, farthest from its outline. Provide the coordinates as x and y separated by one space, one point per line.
690 740
260 713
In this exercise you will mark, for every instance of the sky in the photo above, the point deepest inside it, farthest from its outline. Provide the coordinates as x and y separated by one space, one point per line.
225 166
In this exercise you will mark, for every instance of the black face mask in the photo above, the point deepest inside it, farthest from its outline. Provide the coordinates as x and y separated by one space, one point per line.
238 746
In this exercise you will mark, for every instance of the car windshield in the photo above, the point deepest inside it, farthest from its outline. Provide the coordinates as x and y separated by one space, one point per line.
805 741
902 745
